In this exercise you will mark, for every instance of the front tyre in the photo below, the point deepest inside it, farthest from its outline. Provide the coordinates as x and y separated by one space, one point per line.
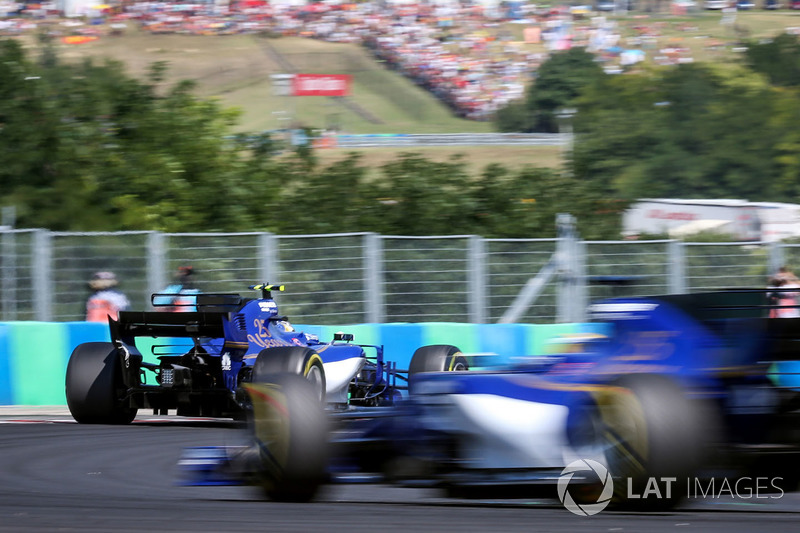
291 438
654 439
296 360
435 358
94 385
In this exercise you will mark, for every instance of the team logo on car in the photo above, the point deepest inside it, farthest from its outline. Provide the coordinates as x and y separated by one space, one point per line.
585 507
268 307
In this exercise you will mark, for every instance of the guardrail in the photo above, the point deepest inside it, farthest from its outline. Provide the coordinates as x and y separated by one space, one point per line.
450 139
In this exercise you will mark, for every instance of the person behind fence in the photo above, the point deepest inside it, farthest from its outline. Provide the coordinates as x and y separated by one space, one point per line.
106 300
184 290
787 297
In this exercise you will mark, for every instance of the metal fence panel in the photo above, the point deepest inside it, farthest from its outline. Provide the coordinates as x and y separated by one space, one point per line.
712 266
645 262
325 275
75 256
510 263
16 275
426 279
364 277
790 257
223 262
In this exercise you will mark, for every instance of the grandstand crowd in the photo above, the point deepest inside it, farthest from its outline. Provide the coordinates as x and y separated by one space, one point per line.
466 56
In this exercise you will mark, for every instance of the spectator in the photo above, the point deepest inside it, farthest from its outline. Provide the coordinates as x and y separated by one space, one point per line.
787 295
105 301
785 274
184 290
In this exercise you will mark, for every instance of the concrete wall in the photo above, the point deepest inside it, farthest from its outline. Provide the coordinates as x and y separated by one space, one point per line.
34 355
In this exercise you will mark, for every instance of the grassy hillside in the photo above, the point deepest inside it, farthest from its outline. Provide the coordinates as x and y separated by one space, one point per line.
237 68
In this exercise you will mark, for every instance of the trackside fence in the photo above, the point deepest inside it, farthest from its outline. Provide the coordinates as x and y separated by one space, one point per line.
369 278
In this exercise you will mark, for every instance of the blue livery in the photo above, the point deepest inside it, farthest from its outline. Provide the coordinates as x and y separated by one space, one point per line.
231 341
680 389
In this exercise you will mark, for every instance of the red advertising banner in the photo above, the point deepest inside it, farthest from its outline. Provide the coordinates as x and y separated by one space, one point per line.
321 85
78 39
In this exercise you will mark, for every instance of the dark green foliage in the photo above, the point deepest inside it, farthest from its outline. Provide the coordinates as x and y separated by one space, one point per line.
778 59
513 118
86 147
690 131
559 81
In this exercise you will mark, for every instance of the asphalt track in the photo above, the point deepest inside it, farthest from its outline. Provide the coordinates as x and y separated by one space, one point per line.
56 475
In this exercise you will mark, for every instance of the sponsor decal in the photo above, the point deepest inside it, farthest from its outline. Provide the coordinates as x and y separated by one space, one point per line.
268 307
671 215
321 85
621 311
263 337
78 39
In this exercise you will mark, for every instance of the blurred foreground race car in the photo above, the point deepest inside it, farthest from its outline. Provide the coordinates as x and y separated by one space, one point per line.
684 391
231 341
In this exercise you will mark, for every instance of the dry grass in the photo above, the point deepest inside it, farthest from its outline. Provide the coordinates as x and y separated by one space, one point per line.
236 69
475 157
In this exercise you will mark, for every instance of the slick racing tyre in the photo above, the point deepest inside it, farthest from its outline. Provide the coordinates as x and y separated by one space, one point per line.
291 437
296 360
653 439
435 358
94 385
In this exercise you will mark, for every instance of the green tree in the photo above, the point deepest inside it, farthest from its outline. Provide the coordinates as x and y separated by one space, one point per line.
778 59
692 131
559 81
417 196
87 147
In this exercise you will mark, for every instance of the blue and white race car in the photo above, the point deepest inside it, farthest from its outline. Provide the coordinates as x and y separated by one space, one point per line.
682 389
208 354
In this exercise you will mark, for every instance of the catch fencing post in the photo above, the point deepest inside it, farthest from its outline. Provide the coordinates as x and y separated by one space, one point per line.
476 292
677 267
567 269
373 277
776 258
267 258
43 275
156 264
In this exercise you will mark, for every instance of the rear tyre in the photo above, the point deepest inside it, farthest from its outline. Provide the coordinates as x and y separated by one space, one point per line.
435 358
291 436
296 360
94 385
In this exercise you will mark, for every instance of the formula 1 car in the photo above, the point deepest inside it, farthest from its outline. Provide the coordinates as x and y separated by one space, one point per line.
233 340
682 390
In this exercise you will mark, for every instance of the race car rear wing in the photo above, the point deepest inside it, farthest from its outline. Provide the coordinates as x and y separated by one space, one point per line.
133 324
213 309
205 302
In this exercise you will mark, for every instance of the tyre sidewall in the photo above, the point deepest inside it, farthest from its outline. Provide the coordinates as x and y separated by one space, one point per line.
93 383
